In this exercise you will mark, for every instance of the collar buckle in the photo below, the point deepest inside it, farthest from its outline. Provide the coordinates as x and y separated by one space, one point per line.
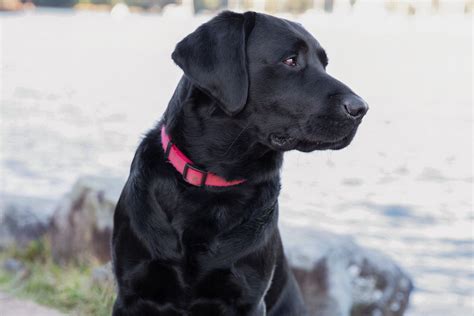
196 173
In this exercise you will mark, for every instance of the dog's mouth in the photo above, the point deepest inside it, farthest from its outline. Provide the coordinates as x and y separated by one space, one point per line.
308 146
282 142
286 142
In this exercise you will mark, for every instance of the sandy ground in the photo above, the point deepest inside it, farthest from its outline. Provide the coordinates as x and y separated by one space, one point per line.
10 306
79 90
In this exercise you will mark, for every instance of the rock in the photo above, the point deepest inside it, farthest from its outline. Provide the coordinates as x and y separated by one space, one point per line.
103 276
339 278
23 220
81 226
16 268
12 265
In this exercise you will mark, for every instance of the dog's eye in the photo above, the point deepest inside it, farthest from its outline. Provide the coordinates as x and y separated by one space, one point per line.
290 61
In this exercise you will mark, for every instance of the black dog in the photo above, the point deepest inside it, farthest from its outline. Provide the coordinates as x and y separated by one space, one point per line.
201 238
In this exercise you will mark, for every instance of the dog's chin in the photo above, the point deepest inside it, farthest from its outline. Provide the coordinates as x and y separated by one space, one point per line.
286 143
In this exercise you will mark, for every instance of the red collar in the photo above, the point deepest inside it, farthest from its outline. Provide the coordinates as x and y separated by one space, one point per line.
184 165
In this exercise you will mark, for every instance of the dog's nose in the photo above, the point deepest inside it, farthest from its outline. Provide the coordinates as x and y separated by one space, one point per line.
354 106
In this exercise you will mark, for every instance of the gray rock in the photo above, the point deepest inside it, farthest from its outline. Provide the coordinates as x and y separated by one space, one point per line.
13 266
337 276
81 226
340 278
16 268
103 276
23 219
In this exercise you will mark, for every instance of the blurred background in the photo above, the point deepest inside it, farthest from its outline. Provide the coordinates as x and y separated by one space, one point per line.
83 80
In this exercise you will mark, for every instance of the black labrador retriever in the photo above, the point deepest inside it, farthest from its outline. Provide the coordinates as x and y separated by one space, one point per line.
196 224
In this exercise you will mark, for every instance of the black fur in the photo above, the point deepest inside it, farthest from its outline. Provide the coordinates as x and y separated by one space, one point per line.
179 249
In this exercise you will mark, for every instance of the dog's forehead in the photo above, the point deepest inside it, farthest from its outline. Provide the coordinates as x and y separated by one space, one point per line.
275 33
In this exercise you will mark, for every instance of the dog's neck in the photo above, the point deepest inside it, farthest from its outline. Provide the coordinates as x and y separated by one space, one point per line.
216 142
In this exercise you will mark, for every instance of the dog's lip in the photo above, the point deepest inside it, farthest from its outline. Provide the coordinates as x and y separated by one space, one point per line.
285 142
310 145
281 140
322 144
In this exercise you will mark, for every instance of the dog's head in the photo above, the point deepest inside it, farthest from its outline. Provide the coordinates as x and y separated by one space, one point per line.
271 73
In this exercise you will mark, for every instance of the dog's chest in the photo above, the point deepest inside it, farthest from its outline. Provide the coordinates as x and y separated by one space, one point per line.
192 288
219 274
237 289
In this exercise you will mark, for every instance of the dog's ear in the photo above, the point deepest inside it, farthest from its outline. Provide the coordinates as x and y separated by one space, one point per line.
214 58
